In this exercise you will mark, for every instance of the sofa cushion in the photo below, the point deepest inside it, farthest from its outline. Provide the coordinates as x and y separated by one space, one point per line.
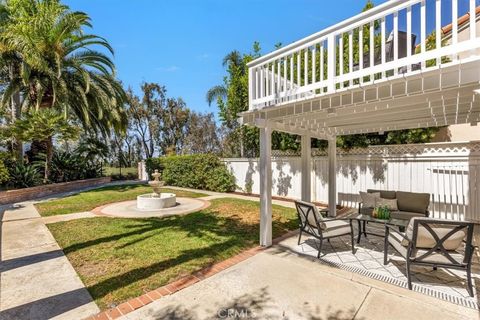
413 202
405 215
367 211
385 194
389 203
369 199
425 239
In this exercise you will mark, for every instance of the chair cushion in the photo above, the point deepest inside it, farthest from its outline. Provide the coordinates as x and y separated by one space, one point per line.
405 215
311 219
313 215
413 202
369 199
397 242
426 240
335 228
389 203
385 194
435 257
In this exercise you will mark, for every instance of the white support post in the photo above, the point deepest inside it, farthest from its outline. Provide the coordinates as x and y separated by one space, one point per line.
332 176
266 186
306 168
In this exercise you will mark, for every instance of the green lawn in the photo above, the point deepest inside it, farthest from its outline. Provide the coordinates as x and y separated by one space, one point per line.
89 200
118 259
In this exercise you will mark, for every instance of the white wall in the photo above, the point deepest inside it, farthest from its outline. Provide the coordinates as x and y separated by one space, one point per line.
449 172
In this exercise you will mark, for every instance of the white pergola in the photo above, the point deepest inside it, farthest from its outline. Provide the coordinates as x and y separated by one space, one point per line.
290 93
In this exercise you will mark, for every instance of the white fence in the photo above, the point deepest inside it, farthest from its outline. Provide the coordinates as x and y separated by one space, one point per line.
449 172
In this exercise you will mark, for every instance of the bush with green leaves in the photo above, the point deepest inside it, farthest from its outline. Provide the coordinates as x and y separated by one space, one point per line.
68 166
152 164
4 175
220 180
202 171
24 176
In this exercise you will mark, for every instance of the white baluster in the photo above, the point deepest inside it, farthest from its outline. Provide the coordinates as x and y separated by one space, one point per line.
292 76
454 22
372 45
299 65
438 27
395 39
272 79
383 40
350 54
262 83
279 78
340 57
473 25
314 65
409 35
322 62
305 68
423 29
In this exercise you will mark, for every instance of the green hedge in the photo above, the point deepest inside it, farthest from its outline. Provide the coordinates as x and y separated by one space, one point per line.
203 171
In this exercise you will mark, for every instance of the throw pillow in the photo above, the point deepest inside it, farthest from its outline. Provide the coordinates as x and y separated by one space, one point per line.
389 203
369 199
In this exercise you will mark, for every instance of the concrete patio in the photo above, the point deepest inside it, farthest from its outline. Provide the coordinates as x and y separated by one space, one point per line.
281 284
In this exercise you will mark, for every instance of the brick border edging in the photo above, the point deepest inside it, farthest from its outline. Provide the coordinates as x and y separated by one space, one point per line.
182 283
46 190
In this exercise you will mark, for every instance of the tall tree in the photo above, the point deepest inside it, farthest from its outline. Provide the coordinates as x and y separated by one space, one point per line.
146 114
60 68
175 117
202 134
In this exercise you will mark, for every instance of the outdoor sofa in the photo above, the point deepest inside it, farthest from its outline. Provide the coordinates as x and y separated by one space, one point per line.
410 204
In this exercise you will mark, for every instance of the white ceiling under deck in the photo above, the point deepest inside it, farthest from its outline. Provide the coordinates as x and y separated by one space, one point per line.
433 98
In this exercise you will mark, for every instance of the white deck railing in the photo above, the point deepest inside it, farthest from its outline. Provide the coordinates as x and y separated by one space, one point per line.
395 39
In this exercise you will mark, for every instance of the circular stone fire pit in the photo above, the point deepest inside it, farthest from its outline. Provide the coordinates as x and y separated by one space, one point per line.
154 201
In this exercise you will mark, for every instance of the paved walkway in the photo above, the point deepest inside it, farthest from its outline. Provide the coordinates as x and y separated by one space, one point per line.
279 284
36 279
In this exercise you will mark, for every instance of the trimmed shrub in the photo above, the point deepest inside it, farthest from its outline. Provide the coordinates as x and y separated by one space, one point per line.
153 164
202 171
220 180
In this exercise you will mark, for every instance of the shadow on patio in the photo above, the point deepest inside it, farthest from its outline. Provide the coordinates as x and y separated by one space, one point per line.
448 285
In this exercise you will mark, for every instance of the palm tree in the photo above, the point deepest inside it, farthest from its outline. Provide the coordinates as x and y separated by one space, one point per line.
233 60
64 70
60 67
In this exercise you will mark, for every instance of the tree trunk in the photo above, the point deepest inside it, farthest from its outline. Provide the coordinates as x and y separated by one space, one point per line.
16 112
48 158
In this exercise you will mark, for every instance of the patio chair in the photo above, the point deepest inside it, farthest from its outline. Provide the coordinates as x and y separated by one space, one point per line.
435 243
311 222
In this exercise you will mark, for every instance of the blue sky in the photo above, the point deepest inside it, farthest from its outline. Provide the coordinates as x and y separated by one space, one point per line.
181 43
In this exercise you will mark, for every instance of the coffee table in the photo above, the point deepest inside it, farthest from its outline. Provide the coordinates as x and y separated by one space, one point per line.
363 219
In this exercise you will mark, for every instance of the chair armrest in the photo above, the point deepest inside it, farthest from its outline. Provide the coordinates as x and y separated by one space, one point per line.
389 229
